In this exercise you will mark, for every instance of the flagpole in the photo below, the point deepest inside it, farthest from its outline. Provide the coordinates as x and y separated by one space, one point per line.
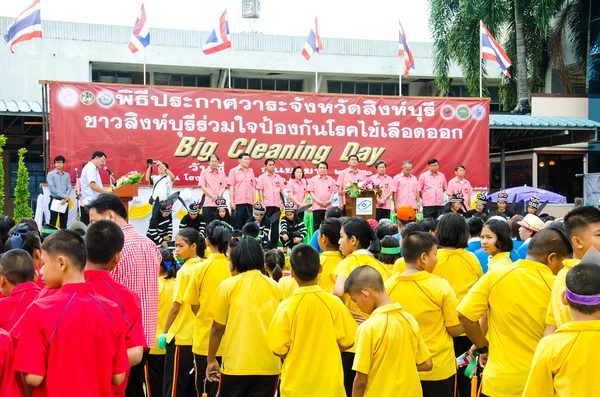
480 62
400 77
144 66
316 81
229 77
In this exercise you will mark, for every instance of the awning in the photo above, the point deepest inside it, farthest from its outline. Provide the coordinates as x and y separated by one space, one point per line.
508 121
20 108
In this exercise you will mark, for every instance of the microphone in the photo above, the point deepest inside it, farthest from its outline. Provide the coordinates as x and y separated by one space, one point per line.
108 171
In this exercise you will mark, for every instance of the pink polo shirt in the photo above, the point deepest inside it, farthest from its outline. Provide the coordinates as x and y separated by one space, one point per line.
243 182
463 186
387 185
321 187
346 176
214 181
272 186
297 189
432 188
406 190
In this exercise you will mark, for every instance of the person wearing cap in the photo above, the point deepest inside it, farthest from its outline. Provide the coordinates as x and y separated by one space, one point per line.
405 214
213 183
292 229
407 187
194 220
242 186
515 298
480 207
564 363
270 188
349 175
530 225
533 204
161 227
459 184
432 184
258 217
222 213
388 188
455 205
502 206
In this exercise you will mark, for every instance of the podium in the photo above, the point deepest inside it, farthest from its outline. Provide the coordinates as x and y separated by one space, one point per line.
363 206
126 193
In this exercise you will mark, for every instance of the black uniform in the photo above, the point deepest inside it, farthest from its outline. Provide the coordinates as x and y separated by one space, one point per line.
160 227
293 228
198 224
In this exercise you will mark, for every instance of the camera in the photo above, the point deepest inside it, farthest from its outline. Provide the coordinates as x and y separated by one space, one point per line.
150 162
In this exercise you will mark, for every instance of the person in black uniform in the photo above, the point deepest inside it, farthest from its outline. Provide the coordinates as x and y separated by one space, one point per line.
161 226
194 219
480 207
292 228
264 224
502 206
455 205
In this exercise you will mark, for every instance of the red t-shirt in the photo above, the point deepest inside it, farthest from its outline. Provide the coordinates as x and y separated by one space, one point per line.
9 385
73 338
13 307
130 305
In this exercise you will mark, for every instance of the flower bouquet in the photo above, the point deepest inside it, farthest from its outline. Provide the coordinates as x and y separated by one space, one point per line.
354 189
132 178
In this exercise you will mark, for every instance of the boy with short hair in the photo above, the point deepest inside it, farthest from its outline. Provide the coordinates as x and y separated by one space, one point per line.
389 346
292 228
312 326
104 241
515 297
582 226
431 300
74 327
17 276
563 364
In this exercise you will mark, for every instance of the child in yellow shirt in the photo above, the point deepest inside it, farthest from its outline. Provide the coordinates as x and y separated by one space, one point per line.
242 311
155 365
179 326
389 346
564 363
274 263
329 237
431 300
497 242
311 327
390 253
201 289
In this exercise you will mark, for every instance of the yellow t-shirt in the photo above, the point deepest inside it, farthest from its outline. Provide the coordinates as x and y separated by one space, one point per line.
500 259
460 268
309 329
288 285
563 362
399 266
182 328
201 289
390 268
329 262
557 313
389 346
165 301
431 301
517 297
246 304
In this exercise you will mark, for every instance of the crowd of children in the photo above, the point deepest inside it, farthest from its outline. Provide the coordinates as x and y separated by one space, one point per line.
433 308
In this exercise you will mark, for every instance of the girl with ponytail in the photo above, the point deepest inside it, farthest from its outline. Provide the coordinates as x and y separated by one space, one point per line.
201 289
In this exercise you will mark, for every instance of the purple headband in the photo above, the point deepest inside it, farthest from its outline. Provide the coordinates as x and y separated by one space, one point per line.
588 300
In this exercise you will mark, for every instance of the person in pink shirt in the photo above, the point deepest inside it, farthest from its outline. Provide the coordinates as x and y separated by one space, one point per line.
270 188
322 189
350 174
242 184
297 187
388 187
432 184
213 183
407 187
459 184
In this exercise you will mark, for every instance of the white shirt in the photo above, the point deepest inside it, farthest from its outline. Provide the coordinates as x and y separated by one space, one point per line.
162 189
90 174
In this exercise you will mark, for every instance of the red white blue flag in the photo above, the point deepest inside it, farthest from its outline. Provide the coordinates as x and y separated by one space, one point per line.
313 42
404 50
26 26
218 40
490 49
140 37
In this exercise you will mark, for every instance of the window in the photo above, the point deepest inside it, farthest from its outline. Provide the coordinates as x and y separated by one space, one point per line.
181 80
267 84
115 77
365 88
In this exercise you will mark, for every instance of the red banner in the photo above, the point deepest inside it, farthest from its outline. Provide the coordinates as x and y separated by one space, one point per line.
185 126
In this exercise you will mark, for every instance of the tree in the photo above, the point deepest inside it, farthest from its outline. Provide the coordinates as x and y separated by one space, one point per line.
523 26
22 208
2 144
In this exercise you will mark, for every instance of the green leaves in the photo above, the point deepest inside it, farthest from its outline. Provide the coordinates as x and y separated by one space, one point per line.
22 207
